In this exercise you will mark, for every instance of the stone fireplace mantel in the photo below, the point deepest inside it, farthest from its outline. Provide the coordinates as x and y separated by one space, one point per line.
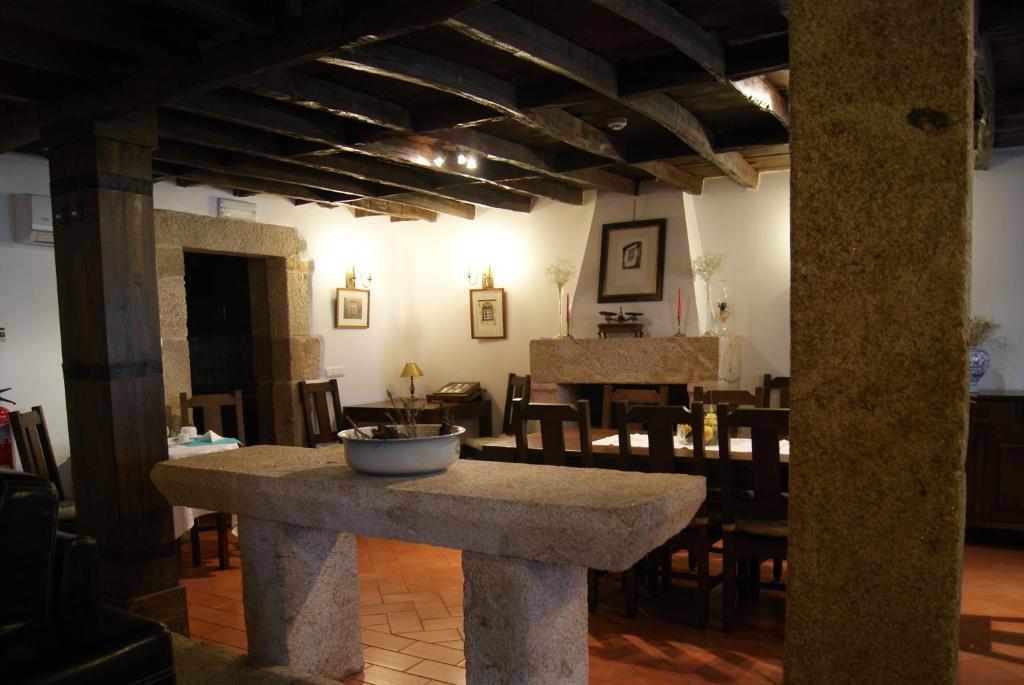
707 361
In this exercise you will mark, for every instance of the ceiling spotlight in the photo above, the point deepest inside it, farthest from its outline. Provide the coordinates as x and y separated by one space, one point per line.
616 123
471 162
461 159
439 160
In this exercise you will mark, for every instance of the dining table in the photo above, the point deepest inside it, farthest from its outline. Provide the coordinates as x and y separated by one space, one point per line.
184 517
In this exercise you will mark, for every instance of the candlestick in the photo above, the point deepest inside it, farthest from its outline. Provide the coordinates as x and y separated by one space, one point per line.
679 302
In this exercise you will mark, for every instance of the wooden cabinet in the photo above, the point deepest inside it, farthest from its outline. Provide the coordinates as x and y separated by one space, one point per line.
995 461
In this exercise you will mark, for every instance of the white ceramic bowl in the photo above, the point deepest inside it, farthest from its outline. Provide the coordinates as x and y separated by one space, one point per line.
426 453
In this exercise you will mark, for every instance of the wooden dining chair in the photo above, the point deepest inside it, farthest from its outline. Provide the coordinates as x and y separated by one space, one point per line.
211 407
754 527
552 419
32 438
661 423
518 388
732 398
612 395
318 400
771 383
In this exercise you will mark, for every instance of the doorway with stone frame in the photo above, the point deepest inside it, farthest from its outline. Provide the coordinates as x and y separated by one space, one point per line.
284 352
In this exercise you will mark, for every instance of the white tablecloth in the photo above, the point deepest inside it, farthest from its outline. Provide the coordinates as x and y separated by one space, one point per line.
184 517
737 445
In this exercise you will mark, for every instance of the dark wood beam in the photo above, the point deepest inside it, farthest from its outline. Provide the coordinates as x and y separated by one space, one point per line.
545 188
606 180
239 15
309 91
259 185
984 102
673 176
296 41
481 194
462 210
660 19
757 57
32 48
377 206
506 31
401 63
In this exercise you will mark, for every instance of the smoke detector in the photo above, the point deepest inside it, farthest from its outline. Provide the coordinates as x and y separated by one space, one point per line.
617 123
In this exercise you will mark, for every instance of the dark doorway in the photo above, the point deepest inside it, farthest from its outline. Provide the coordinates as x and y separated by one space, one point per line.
220 334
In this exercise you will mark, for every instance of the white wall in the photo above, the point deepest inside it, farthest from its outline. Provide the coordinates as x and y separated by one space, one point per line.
997 282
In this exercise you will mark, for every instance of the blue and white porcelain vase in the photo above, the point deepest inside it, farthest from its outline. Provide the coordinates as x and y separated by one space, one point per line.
980 360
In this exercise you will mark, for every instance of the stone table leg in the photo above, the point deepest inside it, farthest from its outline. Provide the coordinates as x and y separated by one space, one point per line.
301 596
525 622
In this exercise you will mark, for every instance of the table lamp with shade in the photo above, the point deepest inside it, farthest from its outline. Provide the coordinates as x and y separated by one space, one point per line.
411 371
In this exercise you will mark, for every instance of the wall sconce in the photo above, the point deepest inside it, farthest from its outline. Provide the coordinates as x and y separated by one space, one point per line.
485 278
355 280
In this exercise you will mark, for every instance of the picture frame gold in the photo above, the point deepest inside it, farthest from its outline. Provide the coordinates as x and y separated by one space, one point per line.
352 308
487 320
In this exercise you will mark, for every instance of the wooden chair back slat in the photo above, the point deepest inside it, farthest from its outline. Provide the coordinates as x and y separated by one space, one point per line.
661 423
317 413
780 383
210 405
767 427
32 439
611 395
551 417
518 388
732 398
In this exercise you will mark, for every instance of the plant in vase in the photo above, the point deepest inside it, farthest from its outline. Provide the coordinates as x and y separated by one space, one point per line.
723 310
981 330
559 273
705 267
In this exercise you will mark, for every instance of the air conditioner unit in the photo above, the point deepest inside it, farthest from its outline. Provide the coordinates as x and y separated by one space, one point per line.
32 219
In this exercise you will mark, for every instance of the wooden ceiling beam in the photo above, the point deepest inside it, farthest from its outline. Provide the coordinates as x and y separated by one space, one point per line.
258 185
255 167
673 176
233 14
299 40
377 206
407 65
481 194
506 31
757 57
462 210
545 188
35 49
660 19
605 180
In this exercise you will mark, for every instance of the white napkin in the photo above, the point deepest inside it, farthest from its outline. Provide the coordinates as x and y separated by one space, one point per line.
208 436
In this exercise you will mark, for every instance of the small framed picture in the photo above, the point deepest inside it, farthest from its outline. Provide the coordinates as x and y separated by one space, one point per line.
487 313
632 261
352 309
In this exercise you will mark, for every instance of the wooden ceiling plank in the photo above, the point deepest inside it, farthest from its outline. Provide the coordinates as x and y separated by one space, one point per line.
985 102
673 176
660 19
506 31
407 65
462 210
315 93
297 41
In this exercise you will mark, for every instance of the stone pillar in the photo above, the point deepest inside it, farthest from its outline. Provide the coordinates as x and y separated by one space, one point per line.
881 143
525 622
102 190
301 596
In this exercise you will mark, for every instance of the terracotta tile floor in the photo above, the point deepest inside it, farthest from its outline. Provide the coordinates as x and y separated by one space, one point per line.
411 607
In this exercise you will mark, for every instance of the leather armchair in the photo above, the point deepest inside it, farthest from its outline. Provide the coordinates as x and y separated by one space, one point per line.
53 628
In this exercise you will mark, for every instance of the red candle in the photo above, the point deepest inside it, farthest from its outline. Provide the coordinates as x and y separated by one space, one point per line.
679 303
567 307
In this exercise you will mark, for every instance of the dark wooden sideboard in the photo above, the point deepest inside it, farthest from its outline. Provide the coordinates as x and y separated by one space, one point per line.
995 461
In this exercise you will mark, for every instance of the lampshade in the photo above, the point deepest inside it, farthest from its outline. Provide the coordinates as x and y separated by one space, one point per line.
410 370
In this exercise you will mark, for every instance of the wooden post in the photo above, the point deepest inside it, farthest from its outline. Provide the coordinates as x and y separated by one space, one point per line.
101 185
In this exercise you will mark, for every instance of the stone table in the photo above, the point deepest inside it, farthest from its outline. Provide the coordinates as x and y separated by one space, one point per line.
528 534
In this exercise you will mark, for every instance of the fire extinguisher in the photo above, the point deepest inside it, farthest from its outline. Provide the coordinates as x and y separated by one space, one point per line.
6 448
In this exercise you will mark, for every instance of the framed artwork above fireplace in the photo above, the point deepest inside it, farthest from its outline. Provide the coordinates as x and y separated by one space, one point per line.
632 261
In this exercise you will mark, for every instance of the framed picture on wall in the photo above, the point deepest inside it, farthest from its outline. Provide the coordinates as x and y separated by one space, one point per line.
632 261
352 308
487 313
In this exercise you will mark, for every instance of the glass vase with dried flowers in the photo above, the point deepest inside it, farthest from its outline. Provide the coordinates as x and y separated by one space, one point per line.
705 267
559 273
979 332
